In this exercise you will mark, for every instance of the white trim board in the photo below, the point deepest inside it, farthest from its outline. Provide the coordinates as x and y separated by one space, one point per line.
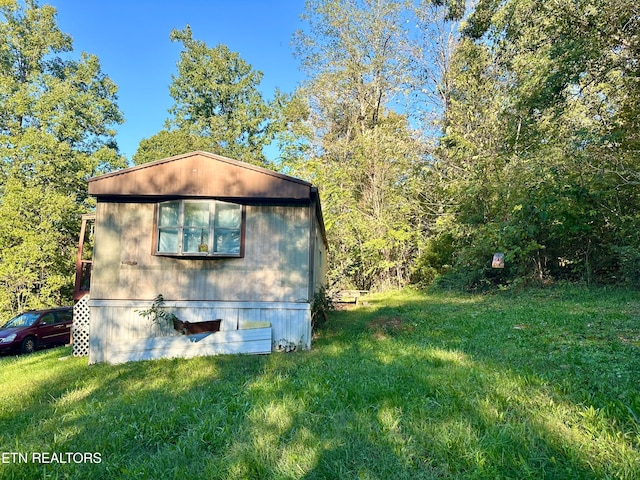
202 304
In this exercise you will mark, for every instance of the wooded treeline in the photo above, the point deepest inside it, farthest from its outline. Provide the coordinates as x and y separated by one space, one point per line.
438 134
540 153
441 136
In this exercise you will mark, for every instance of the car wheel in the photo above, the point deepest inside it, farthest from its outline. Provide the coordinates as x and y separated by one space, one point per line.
29 345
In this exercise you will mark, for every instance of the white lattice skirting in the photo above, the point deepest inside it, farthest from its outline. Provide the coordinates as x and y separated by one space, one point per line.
80 330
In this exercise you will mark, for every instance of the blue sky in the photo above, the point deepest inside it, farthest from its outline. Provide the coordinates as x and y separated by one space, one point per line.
131 39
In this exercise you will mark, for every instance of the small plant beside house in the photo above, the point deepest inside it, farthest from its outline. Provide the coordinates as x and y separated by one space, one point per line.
321 305
160 316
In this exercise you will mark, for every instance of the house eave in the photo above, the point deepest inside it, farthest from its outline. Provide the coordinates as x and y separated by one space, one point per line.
199 174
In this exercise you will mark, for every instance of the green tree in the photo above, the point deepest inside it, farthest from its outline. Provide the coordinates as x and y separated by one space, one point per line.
56 119
167 143
364 149
540 153
218 106
37 240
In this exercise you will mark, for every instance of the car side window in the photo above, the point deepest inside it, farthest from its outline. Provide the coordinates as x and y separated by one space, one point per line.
48 318
64 316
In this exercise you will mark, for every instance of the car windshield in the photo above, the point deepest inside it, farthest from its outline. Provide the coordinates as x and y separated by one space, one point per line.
23 320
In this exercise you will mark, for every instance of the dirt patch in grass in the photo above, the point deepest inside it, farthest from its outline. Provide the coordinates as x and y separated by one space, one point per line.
630 338
340 306
382 327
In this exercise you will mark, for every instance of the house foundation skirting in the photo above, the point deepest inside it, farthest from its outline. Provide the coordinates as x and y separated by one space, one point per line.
118 323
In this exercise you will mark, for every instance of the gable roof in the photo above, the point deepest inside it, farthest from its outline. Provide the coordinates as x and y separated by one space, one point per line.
201 174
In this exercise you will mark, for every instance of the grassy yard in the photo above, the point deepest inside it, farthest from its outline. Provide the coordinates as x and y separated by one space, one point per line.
541 385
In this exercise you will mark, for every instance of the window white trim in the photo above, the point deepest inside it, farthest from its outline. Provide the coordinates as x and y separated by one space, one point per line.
199 228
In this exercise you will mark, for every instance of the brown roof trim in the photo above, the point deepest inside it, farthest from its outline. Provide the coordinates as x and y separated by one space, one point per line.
315 196
213 156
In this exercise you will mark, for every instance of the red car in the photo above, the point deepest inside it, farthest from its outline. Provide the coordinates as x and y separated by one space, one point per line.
39 328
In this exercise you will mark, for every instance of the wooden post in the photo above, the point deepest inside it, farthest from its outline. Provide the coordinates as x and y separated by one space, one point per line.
78 293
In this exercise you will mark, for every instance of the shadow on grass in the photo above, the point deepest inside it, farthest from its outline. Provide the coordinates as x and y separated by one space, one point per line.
410 386
435 415
144 418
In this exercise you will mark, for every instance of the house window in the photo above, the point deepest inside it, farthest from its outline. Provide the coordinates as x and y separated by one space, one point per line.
205 228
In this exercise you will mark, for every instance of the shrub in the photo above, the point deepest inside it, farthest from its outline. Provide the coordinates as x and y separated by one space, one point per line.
435 260
321 305
629 260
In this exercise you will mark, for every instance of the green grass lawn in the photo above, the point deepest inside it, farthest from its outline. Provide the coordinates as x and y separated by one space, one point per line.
541 385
